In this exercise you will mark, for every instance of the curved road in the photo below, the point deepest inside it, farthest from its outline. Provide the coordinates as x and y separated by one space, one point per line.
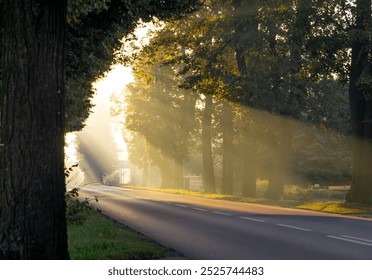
214 229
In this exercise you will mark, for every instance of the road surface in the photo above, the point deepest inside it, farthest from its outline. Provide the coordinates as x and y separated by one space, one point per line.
214 229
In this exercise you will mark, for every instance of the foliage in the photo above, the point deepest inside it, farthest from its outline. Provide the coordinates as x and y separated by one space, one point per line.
112 179
263 54
76 210
95 30
297 193
68 170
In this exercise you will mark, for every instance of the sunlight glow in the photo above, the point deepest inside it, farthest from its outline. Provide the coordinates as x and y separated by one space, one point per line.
70 149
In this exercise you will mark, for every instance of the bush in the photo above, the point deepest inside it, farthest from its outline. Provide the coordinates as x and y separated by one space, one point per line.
77 210
113 179
298 193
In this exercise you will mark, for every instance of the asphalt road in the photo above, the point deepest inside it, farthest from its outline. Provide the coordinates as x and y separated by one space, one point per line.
212 229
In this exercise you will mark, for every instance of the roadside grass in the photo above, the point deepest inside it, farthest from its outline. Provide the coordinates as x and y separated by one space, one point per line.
338 207
323 200
100 238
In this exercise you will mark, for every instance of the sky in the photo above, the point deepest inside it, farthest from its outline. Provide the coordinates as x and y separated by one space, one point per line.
114 82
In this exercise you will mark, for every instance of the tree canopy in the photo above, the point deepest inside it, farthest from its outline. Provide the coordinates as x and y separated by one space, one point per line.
303 61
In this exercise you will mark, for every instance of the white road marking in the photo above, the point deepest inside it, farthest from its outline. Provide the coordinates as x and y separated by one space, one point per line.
293 227
181 205
253 219
166 202
357 238
221 213
199 209
350 240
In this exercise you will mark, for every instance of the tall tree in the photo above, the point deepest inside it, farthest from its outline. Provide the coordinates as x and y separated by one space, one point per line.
360 97
162 112
32 187
207 155
227 149
245 23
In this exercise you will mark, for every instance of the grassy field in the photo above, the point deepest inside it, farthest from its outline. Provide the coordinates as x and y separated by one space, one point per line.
100 238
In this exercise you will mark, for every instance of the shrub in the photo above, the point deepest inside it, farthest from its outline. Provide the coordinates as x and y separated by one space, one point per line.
112 179
76 210
298 193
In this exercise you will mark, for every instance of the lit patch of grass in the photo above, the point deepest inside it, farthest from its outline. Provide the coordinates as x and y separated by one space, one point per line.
257 200
101 238
190 193
266 201
337 208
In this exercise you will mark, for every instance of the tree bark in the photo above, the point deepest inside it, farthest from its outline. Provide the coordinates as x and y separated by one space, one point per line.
32 189
208 168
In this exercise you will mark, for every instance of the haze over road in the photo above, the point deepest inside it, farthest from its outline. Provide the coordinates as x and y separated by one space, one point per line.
214 229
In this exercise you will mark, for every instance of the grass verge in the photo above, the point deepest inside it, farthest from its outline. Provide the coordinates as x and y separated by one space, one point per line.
102 238
320 203
338 207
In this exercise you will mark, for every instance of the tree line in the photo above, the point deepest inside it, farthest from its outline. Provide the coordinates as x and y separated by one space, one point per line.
275 89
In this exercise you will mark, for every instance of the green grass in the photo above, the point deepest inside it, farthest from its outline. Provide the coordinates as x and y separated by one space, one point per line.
337 207
293 197
257 200
101 238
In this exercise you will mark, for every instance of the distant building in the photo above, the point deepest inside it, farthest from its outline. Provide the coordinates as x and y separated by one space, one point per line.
125 172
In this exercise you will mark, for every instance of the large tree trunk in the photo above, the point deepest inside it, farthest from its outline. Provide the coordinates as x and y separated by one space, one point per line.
145 173
32 189
276 183
248 153
166 174
250 172
227 149
178 173
208 168
280 156
246 23
360 109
